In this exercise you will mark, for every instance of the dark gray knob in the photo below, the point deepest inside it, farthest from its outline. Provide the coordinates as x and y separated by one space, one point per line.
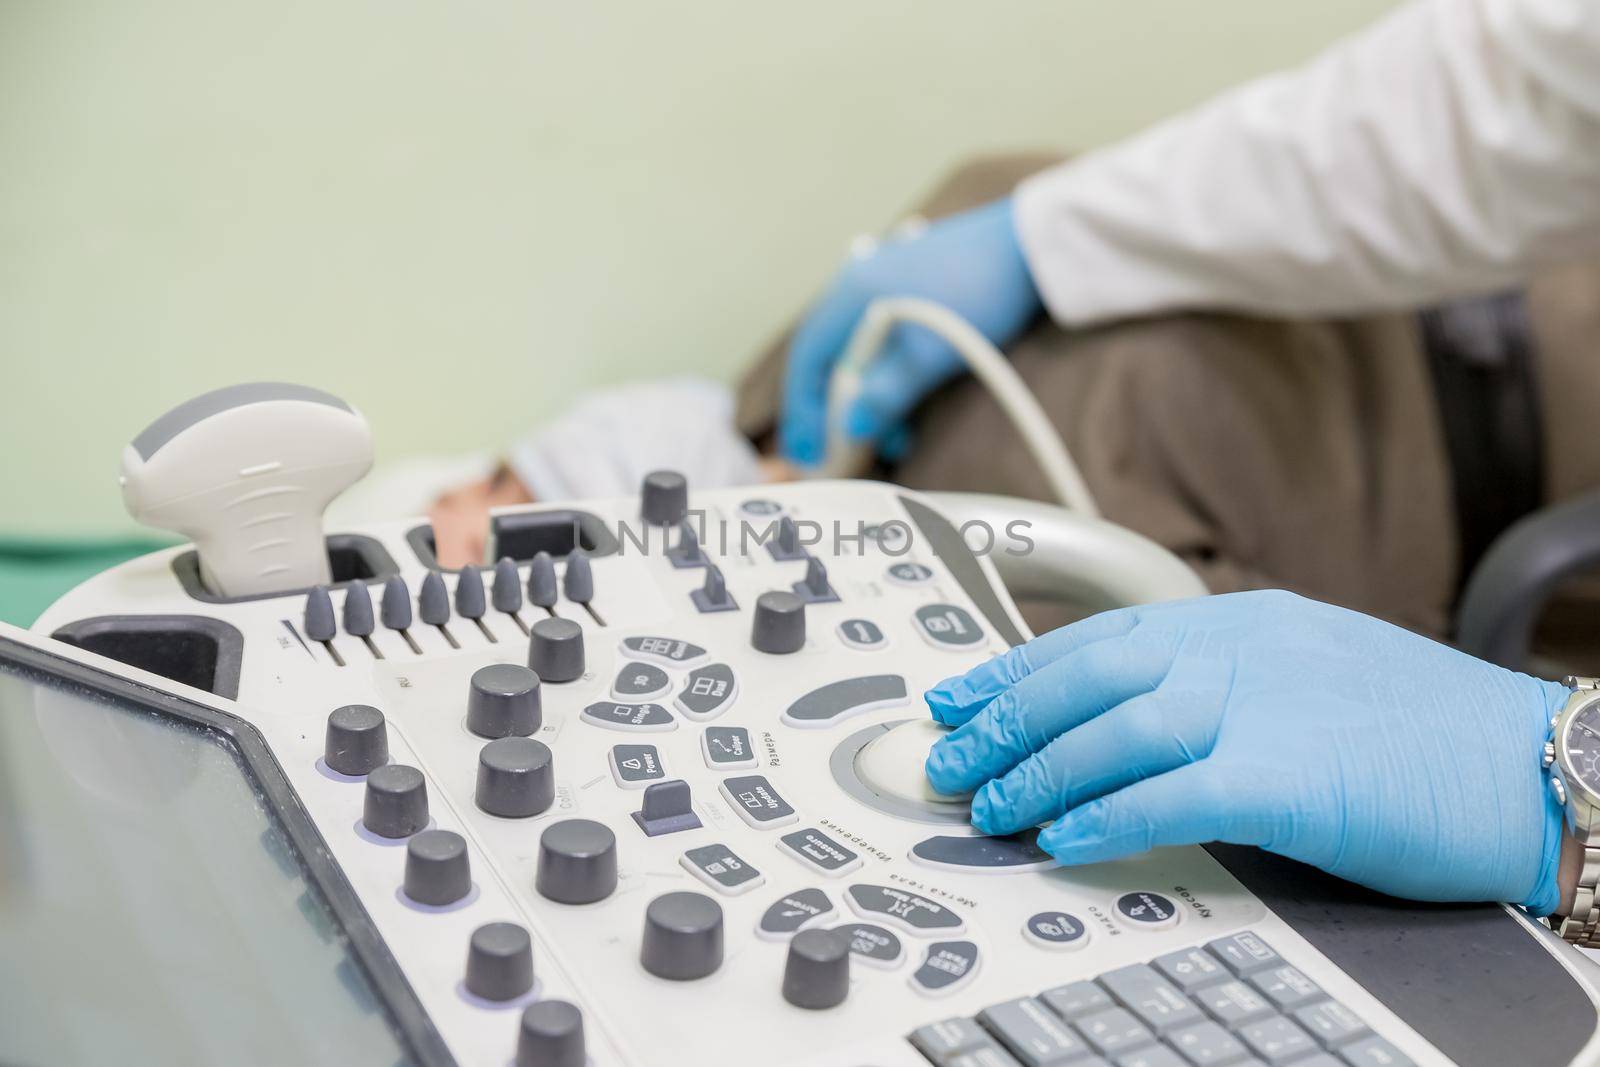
551 1036
396 802
682 936
396 610
437 871
578 580
664 498
516 778
358 620
503 701
555 650
433 601
817 972
779 623
542 586
319 622
470 601
507 590
577 862
499 962
357 740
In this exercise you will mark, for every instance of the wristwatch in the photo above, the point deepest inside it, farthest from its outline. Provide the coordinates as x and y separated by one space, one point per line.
1572 757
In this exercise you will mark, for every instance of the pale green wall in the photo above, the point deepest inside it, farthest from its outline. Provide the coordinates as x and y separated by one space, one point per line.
456 214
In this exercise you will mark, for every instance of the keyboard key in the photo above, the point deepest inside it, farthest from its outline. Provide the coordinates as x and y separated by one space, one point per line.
1277 1040
1207 1045
1287 987
1150 1056
1191 969
1244 954
1156 1001
1033 1033
1233 1004
1076 998
1113 1031
942 1040
990 1055
1331 1023
1375 1052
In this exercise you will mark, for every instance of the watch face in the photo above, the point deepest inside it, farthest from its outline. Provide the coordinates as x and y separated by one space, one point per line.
1582 744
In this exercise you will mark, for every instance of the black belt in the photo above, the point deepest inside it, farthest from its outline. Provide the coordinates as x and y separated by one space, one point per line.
1484 363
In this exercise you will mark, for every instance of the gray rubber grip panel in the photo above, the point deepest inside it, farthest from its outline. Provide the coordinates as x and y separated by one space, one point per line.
1468 977
158 433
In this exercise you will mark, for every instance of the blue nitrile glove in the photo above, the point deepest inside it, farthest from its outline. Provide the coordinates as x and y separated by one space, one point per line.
1264 719
971 263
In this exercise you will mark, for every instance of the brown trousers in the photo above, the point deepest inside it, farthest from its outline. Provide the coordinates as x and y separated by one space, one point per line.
1306 455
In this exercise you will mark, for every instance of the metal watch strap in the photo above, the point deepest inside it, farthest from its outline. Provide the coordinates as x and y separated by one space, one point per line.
1581 926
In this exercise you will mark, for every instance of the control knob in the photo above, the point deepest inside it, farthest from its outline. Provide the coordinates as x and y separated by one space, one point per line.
555 650
779 623
664 498
682 936
577 862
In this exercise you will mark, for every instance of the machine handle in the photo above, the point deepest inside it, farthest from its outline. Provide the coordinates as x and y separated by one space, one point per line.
1088 561
1511 584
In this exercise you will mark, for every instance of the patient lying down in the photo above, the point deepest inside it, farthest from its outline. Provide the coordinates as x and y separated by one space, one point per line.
602 446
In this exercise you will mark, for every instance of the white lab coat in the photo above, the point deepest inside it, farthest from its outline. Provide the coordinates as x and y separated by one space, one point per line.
1451 148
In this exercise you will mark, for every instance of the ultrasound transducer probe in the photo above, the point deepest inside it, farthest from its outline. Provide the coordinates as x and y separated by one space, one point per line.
245 472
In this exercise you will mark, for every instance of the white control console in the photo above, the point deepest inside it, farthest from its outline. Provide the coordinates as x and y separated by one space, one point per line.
705 767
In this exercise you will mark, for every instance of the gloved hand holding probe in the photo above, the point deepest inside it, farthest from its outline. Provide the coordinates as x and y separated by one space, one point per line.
971 263
1264 719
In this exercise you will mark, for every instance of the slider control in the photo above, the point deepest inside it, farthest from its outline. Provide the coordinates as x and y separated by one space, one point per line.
470 601
396 609
434 600
542 588
319 620
578 581
358 620
507 591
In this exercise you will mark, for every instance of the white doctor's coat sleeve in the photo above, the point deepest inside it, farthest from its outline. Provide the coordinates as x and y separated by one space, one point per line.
1449 149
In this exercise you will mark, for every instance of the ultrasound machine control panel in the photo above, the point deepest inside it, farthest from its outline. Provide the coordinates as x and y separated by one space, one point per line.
645 788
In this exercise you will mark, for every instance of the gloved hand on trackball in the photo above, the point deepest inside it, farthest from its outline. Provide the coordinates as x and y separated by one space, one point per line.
971 263
1264 719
